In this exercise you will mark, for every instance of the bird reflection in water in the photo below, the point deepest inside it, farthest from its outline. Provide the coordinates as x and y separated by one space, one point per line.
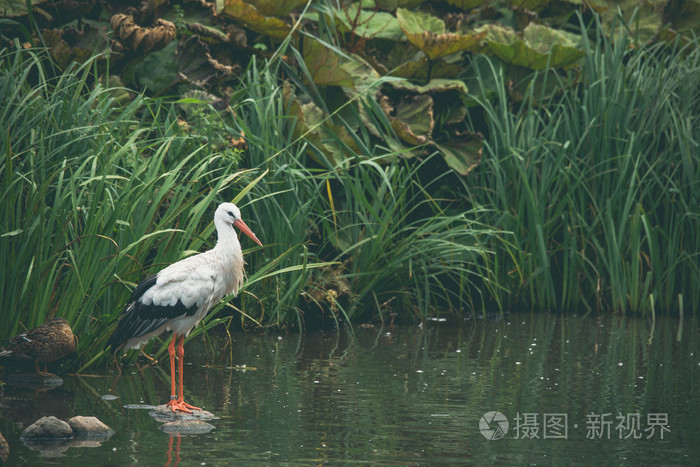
170 450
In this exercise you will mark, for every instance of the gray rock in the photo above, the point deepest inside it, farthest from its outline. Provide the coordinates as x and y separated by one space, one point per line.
47 428
163 413
86 443
190 427
139 406
89 428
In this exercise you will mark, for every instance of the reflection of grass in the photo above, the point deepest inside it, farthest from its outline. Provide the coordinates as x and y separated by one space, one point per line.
599 184
363 395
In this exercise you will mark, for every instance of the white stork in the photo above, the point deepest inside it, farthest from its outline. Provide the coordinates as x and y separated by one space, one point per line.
179 296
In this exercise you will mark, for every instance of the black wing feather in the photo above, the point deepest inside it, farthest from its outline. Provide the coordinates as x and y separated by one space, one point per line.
138 319
140 289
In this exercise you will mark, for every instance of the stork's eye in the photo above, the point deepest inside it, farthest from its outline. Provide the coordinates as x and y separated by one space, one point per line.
230 213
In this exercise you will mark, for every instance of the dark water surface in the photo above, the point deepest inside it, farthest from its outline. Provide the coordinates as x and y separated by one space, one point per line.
402 396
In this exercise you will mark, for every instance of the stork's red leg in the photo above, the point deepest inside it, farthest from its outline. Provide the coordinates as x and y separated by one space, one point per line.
171 352
182 405
177 402
180 367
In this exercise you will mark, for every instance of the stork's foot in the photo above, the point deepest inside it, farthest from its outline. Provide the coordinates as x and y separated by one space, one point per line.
46 374
182 406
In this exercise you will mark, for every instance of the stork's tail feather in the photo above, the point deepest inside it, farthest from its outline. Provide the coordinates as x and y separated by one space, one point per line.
119 336
112 344
144 285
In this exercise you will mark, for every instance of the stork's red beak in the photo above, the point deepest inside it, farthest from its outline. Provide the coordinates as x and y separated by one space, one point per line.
244 228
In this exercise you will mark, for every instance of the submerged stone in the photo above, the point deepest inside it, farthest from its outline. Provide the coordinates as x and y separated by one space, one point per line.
163 413
47 428
34 380
49 447
190 427
139 406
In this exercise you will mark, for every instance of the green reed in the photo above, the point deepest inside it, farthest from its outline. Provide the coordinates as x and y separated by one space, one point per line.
94 196
598 184
280 203
406 253
372 226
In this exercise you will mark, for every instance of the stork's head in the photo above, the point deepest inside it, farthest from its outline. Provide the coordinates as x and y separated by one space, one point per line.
229 214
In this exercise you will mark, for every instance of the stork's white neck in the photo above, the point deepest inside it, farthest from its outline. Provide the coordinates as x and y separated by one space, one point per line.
227 236
228 256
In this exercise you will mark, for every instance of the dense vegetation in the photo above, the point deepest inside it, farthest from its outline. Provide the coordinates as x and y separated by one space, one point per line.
539 159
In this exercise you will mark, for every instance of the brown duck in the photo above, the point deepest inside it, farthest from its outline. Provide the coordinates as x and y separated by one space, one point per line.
49 342
4 450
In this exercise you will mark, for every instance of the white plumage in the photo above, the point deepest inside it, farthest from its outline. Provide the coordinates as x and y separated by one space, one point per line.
179 296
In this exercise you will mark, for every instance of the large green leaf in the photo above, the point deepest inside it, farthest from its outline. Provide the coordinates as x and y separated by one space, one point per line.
158 69
529 4
251 18
14 8
277 8
541 47
541 38
644 18
465 4
368 24
331 67
497 33
407 61
428 34
421 68
412 119
314 126
418 23
324 65
462 152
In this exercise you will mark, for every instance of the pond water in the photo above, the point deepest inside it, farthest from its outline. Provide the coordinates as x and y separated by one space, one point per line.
567 389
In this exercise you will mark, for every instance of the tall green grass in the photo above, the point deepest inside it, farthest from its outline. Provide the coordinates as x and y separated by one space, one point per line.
402 250
405 250
94 196
281 202
600 185
373 227
587 200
